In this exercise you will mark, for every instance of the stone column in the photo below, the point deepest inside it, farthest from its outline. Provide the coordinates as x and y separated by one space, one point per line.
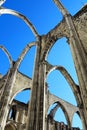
36 104
5 99
41 96
16 116
31 124
21 119
81 69
80 59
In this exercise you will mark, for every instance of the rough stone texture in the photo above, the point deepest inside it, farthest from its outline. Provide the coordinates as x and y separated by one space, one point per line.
80 21
33 116
25 83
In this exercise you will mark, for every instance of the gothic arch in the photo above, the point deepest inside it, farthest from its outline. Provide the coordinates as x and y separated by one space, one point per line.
18 92
63 71
12 12
64 111
71 109
78 114
52 44
19 60
64 41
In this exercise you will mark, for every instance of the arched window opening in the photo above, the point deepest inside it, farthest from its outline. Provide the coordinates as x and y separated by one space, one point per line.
19 106
27 64
58 86
60 55
76 122
59 116
13 112
51 107
10 114
56 113
4 63
23 96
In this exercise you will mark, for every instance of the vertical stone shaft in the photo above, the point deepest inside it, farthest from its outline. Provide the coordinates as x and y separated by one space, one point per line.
35 114
5 99
31 124
40 116
16 117
21 119
80 59
81 68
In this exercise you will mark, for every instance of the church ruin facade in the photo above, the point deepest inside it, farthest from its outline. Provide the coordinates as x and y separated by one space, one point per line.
15 115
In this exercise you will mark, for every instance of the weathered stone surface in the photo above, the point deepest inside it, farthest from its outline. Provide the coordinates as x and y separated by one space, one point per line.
33 116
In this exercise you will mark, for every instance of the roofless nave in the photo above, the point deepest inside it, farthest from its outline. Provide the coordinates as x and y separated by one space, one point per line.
33 116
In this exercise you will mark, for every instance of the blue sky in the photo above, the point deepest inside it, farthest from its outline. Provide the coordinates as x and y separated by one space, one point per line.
15 34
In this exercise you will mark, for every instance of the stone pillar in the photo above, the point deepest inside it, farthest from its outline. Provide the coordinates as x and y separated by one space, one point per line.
21 119
58 126
5 99
16 116
41 95
31 124
81 70
80 58
36 104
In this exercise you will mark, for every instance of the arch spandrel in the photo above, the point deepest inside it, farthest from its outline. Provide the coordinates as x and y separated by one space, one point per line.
22 82
69 108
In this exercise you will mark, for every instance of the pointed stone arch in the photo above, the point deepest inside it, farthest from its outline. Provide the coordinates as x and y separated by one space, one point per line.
59 105
24 52
11 82
77 117
71 109
73 85
20 98
21 16
26 83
